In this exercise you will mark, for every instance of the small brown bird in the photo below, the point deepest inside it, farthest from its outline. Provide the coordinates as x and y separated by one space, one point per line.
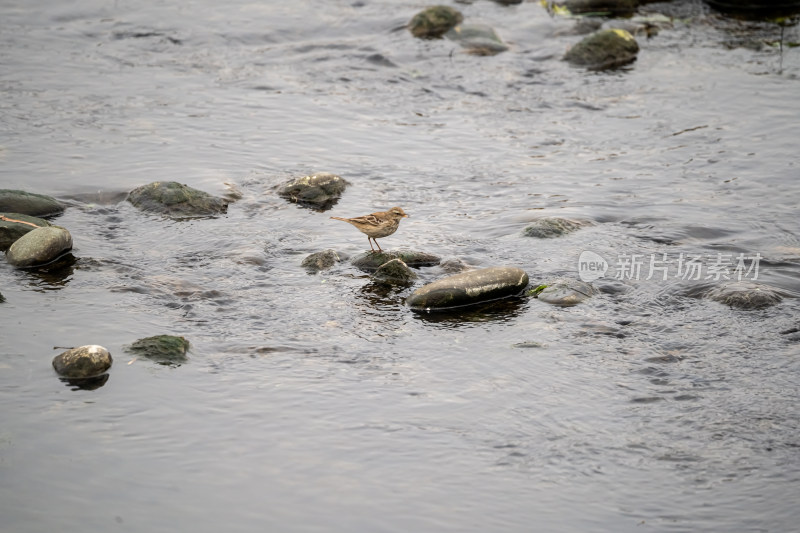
377 225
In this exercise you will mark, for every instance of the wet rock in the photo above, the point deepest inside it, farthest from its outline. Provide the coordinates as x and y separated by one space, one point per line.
83 362
755 9
176 200
566 292
469 288
394 272
39 247
745 295
163 349
478 39
319 261
454 266
15 225
320 191
28 203
371 261
604 49
433 22
551 227
507 2
2 298
615 8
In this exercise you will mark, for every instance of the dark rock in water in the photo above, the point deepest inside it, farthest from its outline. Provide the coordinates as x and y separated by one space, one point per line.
454 266
756 9
2 298
39 247
83 362
745 295
478 39
394 272
469 288
550 227
433 22
176 200
371 261
615 8
566 292
320 191
604 49
320 261
163 349
15 225
28 203
507 2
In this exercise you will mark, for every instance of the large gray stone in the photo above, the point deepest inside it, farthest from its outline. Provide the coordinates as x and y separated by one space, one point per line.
176 200
320 191
469 288
39 247
745 295
83 362
604 49
28 203
15 225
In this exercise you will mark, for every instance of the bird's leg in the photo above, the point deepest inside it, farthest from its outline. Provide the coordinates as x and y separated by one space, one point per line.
369 240
376 244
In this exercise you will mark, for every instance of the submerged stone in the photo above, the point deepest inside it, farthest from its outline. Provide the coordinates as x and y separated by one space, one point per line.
394 272
604 49
28 203
469 288
176 200
83 362
371 261
163 349
566 292
550 227
320 191
319 261
745 295
616 8
755 9
39 247
15 225
478 39
433 22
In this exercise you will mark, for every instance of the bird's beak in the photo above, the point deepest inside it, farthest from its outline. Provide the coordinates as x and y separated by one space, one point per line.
405 216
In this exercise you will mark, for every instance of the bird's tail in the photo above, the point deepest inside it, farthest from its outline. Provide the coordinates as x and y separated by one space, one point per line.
340 218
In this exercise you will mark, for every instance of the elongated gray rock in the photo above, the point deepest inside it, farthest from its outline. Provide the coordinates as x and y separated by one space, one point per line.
39 247
745 295
320 191
371 261
15 225
394 272
83 362
28 203
469 288
604 49
566 292
176 200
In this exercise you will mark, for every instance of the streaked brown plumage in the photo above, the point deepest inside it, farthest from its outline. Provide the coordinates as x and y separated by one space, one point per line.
377 225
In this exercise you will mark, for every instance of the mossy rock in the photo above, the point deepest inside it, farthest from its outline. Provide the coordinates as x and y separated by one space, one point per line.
176 200
371 261
477 39
320 191
319 261
15 225
83 362
394 272
603 50
434 22
745 295
28 203
163 349
565 292
551 227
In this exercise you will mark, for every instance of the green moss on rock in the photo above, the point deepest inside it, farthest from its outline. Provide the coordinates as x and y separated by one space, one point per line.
435 21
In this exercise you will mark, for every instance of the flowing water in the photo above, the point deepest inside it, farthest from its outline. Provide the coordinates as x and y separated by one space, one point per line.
321 402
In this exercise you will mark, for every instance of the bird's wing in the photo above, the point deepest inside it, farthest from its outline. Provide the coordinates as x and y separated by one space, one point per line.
370 220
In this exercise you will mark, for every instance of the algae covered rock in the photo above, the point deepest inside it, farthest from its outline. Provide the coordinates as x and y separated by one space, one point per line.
551 227
320 191
477 39
83 362
745 295
371 261
435 21
15 225
469 288
39 247
163 349
176 200
319 261
565 292
604 49
28 203
394 272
